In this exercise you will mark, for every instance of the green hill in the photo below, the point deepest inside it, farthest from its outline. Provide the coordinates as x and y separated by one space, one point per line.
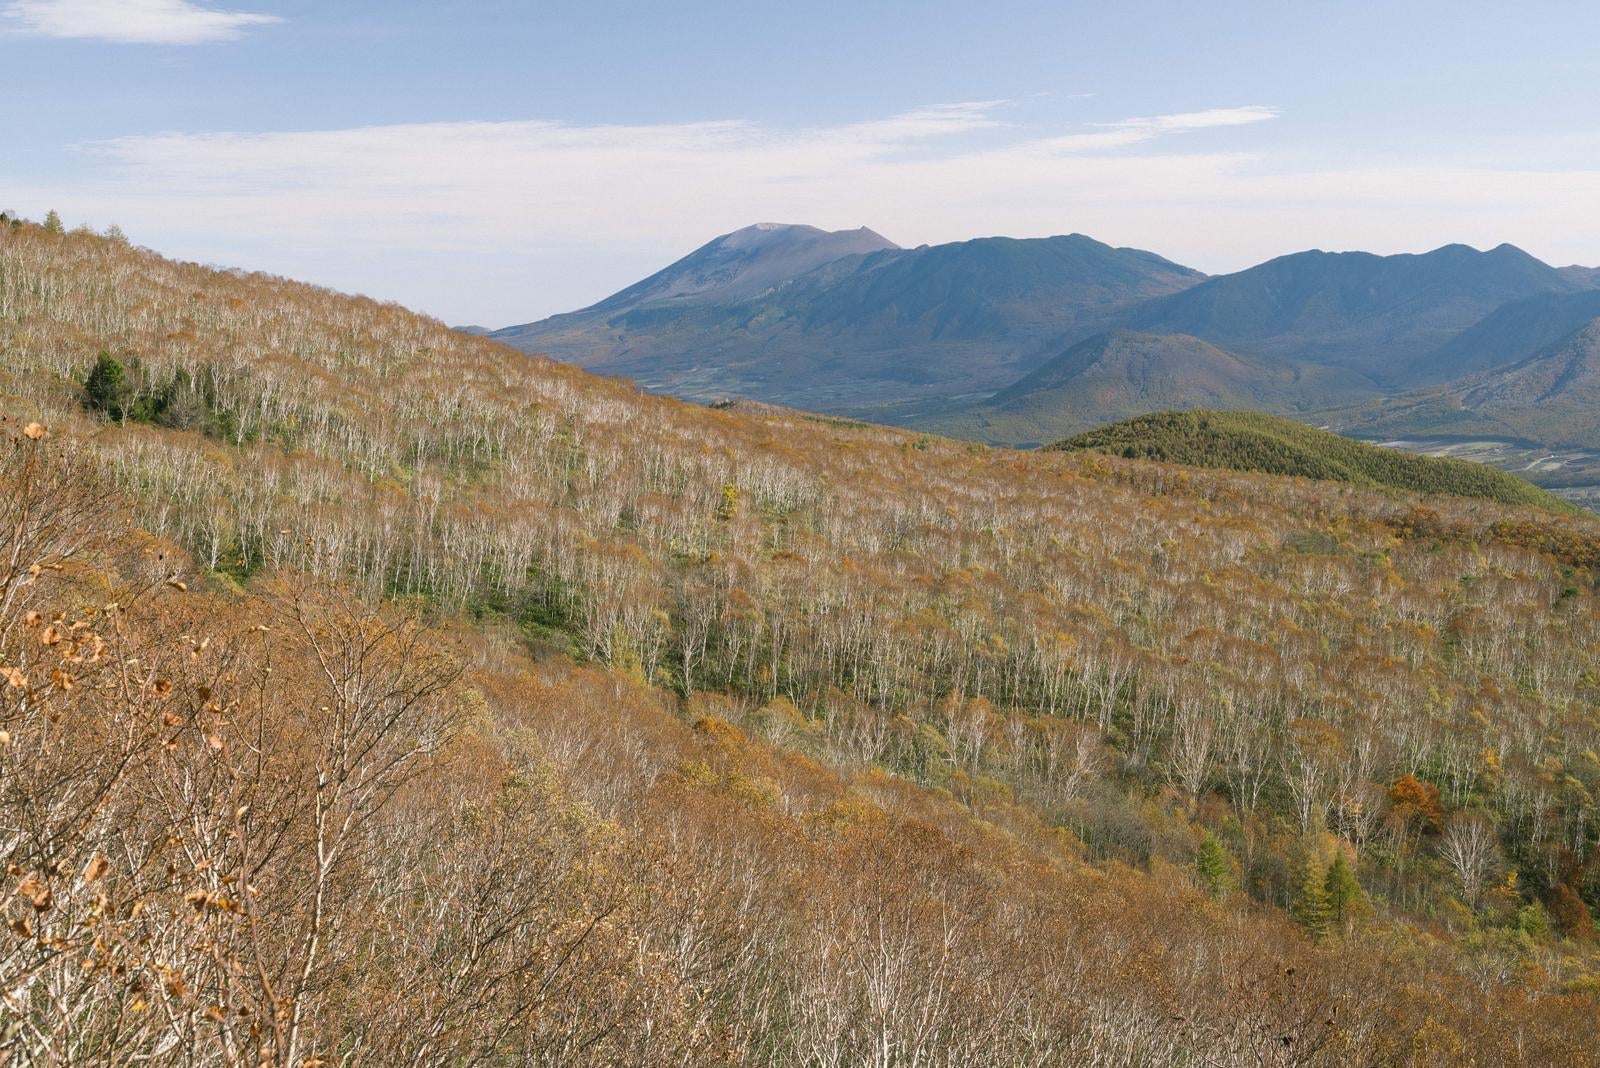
1249 441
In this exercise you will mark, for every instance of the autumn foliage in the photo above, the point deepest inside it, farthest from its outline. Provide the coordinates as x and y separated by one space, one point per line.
428 704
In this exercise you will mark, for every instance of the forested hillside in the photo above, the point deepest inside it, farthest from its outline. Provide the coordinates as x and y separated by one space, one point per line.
335 641
1250 441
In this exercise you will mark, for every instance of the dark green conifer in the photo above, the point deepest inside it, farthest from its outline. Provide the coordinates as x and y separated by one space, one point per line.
106 390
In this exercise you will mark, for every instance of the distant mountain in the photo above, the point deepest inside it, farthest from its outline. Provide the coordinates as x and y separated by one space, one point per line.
1509 334
1372 314
847 321
1121 373
1586 275
1552 398
1250 441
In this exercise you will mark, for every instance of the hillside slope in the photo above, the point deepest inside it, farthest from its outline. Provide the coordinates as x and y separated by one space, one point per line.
765 738
863 329
1123 374
1250 441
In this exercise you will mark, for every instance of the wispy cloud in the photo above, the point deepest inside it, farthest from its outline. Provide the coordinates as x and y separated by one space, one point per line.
131 21
1201 120
1137 130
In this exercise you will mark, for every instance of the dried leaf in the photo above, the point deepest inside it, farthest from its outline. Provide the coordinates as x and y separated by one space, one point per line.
14 678
96 867
35 431
38 893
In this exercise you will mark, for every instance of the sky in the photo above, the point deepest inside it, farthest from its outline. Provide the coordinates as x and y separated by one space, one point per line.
494 162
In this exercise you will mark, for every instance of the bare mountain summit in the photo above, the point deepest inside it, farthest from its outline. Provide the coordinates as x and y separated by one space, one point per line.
746 263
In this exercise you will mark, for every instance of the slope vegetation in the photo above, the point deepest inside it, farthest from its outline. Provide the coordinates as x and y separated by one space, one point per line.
333 642
1249 441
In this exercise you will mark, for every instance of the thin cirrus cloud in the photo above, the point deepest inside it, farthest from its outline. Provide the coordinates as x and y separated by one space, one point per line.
500 222
174 22
614 180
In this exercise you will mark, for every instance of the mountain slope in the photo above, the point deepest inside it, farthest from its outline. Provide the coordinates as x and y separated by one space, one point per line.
1121 374
1372 314
1509 334
1250 441
1551 398
871 327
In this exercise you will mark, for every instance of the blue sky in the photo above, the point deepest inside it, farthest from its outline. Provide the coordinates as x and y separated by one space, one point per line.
495 162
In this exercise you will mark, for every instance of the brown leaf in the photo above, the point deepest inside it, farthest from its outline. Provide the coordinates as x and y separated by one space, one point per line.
35 431
38 893
95 868
14 678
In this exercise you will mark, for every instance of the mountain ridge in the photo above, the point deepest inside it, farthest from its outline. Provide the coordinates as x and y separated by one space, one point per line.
1358 310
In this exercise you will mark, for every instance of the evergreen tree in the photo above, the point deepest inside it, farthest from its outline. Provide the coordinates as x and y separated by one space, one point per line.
1312 909
106 390
1345 898
1216 874
52 222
